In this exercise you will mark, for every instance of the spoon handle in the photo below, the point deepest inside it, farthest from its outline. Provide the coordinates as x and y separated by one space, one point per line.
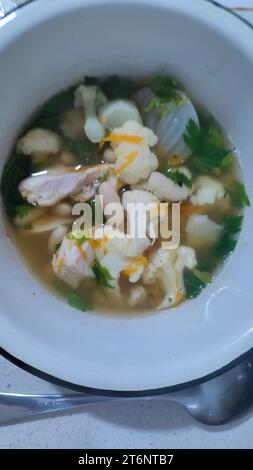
15 406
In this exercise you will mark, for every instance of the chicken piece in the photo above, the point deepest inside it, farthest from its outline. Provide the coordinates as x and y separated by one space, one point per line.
50 187
202 231
39 141
207 191
73 261
167 266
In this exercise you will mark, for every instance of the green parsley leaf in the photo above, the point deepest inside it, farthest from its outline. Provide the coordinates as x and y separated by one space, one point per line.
193 136
23 209
102 274
76 301
224 246
82 149
195 281
207 147
178 177
204 276
239 196
233 224
165 87
73 298
79 240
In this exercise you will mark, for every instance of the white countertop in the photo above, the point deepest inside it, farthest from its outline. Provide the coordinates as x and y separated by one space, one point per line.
135 424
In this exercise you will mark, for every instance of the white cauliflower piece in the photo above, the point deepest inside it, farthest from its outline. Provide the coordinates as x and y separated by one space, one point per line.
207 191
138 196
39 141
90 98
137 296
142 209
167 266
134 128
73 262
186 258
122 254
201 230
134 160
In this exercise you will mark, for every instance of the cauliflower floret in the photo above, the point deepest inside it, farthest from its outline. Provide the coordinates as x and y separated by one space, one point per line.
138 196
167 266
73 262
142 211
122 254
39 141
186 258
136 129
207 191
90 98
134 160
137 296
201 230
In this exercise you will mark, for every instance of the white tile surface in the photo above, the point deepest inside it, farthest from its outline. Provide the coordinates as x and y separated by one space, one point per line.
133 424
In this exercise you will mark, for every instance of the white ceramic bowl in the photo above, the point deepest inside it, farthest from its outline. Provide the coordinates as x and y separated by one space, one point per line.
47 45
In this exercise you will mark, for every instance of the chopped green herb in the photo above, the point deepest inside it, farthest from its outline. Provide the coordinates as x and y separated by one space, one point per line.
203 276
23 209
77 302
79 240
224 246
102 274
61 287
162 108
195 281
50 113
82 149
178 177
233 224
207 147
73 298
239 196
165 88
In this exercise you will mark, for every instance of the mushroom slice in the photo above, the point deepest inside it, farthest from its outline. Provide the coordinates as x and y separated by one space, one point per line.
117 112
48 188
166 189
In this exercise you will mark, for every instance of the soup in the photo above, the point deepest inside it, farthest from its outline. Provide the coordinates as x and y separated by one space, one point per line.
139 155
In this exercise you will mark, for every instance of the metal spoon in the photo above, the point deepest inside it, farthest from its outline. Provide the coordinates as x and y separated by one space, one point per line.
218 401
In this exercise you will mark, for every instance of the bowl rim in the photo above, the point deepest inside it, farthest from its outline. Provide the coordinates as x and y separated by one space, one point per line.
119 393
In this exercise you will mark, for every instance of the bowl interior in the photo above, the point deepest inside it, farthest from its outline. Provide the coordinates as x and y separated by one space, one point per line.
47 47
